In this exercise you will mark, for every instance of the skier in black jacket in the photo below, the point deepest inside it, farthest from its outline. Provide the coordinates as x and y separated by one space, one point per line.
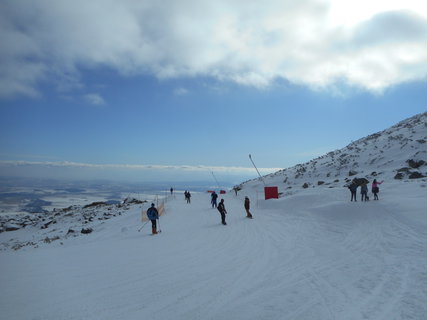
222 211
247 207
353 189
214 196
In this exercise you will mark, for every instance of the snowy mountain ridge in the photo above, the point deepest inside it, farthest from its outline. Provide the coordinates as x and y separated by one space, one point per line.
399 152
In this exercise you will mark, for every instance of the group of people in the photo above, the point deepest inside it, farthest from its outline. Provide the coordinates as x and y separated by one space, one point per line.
187 196
153 214
364 190
223 212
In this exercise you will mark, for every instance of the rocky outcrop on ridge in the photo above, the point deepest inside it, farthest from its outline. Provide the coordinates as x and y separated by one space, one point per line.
399 153
58 224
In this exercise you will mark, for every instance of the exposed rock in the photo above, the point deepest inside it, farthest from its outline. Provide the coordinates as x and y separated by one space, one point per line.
133 200
319 183
416 175
415 164
352 173
305 185
44 226
86 230
95 204
398 176
49 240
11 227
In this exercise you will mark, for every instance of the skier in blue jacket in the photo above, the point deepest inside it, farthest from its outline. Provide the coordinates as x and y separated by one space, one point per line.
153 215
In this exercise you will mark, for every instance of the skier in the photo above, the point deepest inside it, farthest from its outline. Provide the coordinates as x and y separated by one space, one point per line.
171 191
214 196
376 188
247 207
353 189
188 196
222 211
153 215
364 192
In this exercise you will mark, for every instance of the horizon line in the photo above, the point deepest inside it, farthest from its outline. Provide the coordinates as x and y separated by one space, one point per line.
72 164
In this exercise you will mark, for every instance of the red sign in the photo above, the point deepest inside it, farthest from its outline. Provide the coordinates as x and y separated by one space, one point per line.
271 193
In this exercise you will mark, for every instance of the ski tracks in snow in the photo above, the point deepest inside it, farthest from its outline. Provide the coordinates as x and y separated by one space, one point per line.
309 257
344 260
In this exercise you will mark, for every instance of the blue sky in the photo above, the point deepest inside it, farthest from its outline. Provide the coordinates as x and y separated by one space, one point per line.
174 91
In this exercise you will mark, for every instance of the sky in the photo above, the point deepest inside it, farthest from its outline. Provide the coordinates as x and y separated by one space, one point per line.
178 90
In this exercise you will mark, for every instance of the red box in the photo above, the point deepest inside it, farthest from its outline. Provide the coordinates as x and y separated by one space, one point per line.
271 193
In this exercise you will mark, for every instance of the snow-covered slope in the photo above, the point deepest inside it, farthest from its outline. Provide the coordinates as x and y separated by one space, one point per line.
304 257
309 255
397 153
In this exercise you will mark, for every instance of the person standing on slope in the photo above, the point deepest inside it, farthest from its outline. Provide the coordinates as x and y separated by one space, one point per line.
353 189
188 197
364 191
153 215
247 207
376 188
222 211
214 196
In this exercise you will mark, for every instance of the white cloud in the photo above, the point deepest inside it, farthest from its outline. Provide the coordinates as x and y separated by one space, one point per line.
181 92
95 99
70 164
125 172
369 44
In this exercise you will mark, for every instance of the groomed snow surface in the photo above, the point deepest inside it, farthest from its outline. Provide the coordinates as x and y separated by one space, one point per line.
312 255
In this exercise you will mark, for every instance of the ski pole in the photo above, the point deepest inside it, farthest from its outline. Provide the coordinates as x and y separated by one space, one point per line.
158 220
142 226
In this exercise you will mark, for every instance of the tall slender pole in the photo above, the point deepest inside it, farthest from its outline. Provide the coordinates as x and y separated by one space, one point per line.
215 180
250 157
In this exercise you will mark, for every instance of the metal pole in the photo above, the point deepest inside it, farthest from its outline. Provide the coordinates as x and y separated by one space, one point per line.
250 157
215 180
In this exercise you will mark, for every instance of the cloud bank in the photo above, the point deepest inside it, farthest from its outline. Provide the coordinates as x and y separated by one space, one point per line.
319 44
130 172
70 164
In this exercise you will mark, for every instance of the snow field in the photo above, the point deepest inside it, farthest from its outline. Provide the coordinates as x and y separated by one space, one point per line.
312 255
